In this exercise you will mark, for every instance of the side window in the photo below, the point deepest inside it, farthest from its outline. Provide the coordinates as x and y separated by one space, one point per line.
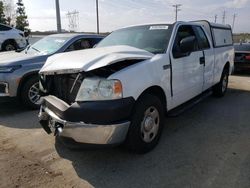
202 38
222 37
79 45
185 37
95 41
4 28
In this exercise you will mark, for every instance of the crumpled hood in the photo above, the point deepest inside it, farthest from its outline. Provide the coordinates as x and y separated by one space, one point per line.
87 60
17 58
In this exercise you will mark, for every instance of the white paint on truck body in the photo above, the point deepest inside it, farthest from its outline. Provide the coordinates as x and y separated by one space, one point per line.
180 78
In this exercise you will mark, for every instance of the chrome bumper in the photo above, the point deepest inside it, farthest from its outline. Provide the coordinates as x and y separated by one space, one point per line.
85 133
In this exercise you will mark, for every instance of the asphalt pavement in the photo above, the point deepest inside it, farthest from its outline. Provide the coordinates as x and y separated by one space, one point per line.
207 146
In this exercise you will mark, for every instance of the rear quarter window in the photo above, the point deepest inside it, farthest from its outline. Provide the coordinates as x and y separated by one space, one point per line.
222 37
4 28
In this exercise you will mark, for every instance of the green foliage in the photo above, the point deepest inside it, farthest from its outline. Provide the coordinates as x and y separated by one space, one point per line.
21 17
241 37
2 16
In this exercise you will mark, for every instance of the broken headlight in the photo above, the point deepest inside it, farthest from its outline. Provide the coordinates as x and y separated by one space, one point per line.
96 89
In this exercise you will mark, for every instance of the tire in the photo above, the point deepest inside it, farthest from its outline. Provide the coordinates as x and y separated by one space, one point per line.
9 45
146 124
220 89
30 90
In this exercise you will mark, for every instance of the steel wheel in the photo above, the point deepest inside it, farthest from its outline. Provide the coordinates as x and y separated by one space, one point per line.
150 124
33 94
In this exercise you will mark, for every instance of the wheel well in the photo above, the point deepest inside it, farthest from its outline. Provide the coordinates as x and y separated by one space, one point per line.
23 80
227 67
158 92
9 40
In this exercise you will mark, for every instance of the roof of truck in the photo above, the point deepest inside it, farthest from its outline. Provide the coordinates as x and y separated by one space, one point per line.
211 24
203 22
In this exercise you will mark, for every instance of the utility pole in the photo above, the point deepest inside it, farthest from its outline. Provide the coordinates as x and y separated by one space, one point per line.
234 16
58 17
97 17
177 9
215 18
224 17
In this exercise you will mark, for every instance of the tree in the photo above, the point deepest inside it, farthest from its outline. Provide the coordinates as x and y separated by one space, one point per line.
2 15
9 11
21 17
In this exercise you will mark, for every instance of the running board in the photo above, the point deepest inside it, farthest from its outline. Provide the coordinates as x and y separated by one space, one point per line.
184 107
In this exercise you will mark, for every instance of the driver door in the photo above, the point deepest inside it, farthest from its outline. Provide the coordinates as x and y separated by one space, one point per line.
187 68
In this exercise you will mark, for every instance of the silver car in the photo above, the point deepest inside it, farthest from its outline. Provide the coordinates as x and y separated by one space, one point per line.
19 70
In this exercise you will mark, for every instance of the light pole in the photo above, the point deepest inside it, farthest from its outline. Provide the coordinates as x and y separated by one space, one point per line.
58 17
97 17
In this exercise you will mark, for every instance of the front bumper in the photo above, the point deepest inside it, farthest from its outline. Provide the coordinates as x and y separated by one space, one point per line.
88 133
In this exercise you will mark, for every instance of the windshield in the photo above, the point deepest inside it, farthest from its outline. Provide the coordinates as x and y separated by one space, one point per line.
153 38
48 45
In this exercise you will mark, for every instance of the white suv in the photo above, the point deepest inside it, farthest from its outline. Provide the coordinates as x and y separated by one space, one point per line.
11 38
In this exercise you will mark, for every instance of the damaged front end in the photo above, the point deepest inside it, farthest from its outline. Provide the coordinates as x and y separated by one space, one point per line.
86 106
80 102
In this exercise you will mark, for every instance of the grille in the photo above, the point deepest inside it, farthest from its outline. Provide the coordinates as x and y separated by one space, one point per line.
65 87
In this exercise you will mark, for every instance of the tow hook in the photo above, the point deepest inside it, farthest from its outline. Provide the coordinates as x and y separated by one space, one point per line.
44 121
58 129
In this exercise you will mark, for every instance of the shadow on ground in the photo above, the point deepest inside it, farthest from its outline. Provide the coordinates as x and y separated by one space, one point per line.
193 150
15 115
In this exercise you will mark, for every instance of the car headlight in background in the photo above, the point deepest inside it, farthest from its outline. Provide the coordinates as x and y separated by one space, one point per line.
96 89
9 69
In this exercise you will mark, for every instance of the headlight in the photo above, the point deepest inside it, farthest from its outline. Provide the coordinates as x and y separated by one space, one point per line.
96 89
9 69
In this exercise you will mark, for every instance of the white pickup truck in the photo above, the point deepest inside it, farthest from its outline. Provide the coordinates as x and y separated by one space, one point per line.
120 91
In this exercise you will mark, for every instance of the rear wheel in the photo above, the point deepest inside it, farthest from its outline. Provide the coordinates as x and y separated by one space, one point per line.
146 126
220 89
30 93
9 46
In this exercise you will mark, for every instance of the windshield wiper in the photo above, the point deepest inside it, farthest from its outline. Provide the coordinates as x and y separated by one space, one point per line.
35 49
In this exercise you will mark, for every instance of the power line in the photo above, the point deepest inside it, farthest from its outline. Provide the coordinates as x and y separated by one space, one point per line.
177 9
73 18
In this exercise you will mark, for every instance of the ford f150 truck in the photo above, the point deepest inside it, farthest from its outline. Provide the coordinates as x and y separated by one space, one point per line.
120 91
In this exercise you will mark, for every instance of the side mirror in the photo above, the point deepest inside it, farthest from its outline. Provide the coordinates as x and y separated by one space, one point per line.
187 44
26 33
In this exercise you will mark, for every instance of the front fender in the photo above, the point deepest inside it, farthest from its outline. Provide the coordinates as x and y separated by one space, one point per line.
139 77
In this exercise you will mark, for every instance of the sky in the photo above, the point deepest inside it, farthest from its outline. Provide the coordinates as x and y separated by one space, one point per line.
115 14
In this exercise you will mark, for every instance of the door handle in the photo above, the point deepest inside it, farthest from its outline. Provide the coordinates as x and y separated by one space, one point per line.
202 61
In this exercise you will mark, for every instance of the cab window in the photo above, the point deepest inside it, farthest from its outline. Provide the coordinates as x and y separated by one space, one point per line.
184 32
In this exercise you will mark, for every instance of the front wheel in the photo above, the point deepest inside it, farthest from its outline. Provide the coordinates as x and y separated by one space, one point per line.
220 89
30 93
146 126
